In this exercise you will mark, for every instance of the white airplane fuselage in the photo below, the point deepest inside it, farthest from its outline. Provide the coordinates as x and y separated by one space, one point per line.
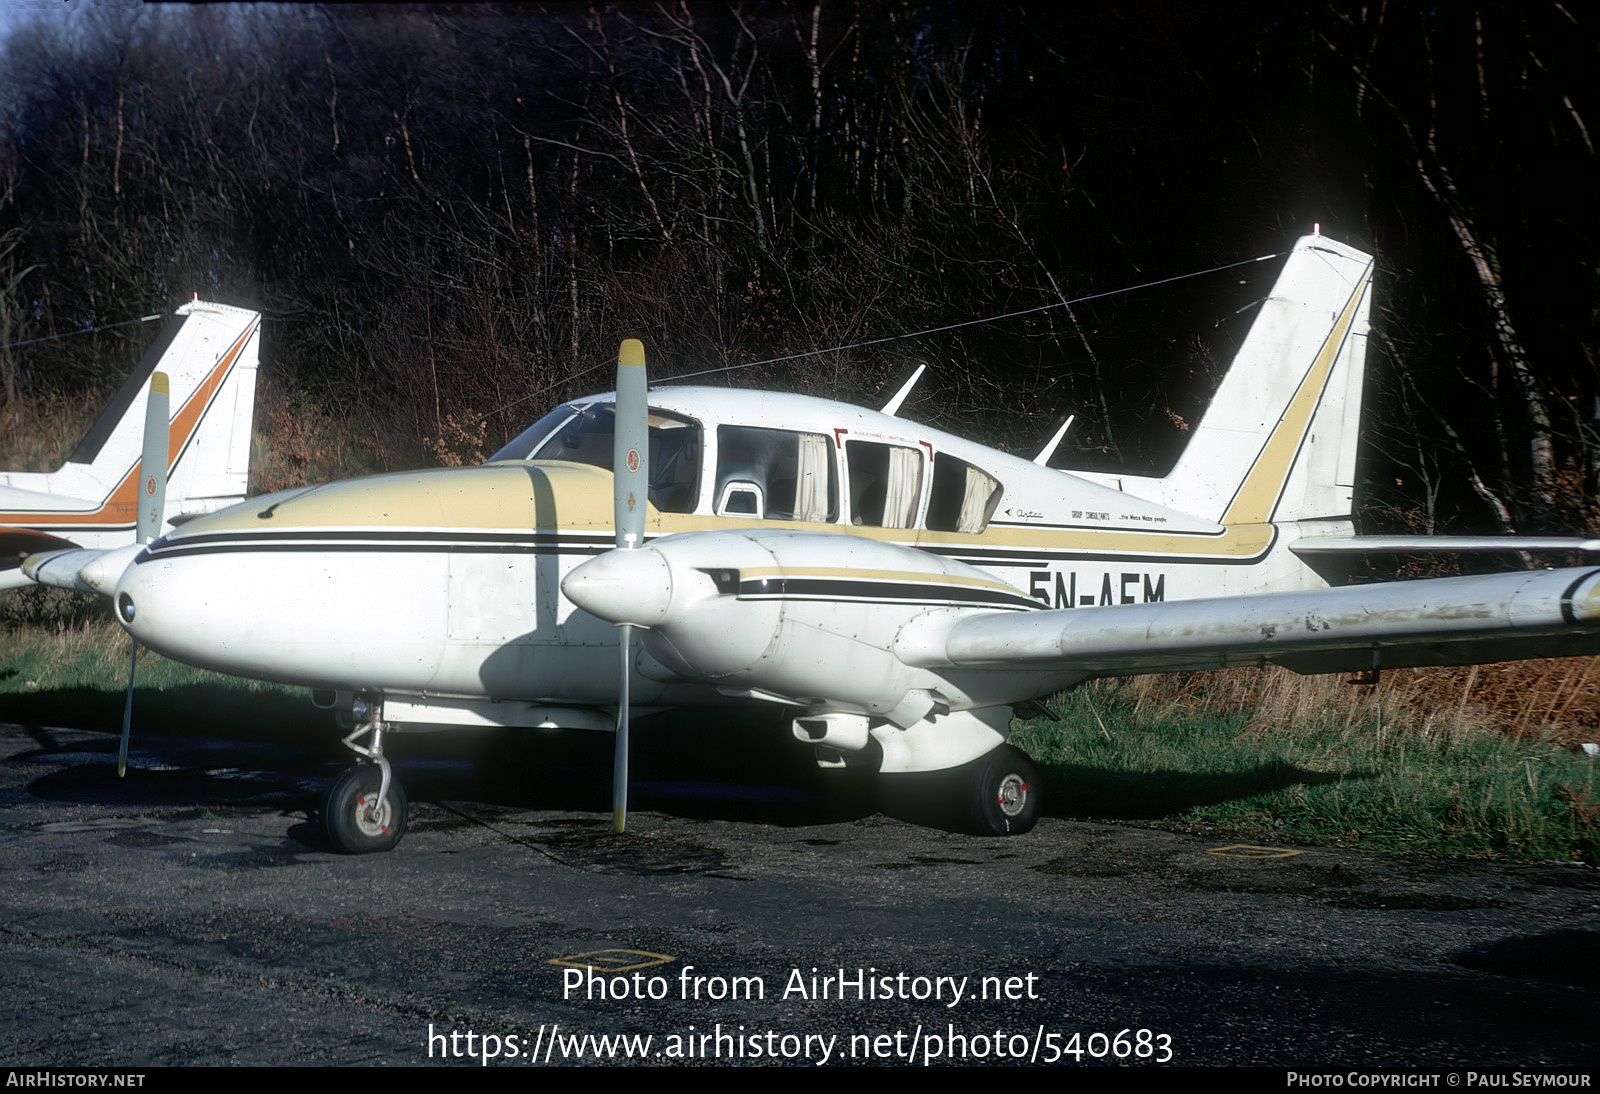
801 550
446 585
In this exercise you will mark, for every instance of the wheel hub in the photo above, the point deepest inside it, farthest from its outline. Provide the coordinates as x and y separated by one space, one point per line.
1013 796
372 815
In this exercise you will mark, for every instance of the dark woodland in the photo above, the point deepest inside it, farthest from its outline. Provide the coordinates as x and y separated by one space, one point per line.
450 215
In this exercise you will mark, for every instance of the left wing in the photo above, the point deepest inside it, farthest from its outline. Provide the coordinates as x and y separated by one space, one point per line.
1400 624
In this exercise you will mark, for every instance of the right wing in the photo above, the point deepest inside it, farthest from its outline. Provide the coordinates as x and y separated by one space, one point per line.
81 569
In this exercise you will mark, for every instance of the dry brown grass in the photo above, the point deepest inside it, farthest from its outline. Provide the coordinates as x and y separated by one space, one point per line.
1553 697
37 435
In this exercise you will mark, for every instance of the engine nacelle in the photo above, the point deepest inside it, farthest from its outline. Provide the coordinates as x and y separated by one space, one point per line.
803 617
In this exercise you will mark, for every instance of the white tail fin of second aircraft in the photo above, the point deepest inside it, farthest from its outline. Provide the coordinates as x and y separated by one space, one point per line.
1278 442
209 353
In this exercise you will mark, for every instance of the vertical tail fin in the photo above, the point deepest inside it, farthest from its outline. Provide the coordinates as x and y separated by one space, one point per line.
209 354
1278 442
210 437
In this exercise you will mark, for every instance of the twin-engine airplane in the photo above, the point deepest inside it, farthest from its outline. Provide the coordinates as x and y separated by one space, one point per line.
898 588
208 355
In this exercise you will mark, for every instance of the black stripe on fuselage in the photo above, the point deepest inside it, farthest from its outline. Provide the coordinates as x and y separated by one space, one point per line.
879 592
379 541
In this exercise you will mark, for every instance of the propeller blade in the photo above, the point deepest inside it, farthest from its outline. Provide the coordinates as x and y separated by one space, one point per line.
632 444
127 717
619 766
631 469
153 461
152 513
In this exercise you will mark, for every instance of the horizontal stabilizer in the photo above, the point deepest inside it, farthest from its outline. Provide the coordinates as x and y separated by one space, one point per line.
205 361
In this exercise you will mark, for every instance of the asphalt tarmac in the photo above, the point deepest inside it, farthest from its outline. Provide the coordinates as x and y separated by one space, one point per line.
191 914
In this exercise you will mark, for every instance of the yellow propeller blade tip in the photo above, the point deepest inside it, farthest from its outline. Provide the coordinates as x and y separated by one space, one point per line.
618 820
632 355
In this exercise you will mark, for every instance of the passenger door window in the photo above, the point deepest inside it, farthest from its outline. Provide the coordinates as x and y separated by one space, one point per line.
885 484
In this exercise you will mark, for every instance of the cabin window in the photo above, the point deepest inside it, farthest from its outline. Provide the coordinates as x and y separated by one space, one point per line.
885 484
963 498
777 474
586 433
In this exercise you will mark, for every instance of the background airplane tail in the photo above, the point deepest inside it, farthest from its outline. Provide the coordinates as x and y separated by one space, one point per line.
1278 441
210 354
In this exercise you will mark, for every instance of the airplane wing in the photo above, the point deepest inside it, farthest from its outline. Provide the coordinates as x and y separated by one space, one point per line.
18 544
1438 621
80 569
1405 545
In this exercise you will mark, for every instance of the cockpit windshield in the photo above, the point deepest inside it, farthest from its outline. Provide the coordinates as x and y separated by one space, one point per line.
521 446
585 433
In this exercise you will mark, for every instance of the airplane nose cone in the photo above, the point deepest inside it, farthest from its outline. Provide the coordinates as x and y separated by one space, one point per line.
631 587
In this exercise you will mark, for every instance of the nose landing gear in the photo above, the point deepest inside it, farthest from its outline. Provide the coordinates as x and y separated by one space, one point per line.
358 817
364 809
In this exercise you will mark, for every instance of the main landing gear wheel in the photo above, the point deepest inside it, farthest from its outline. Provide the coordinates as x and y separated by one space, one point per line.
1003 796
353 819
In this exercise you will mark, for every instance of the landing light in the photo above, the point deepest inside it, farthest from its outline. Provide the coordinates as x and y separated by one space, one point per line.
125 607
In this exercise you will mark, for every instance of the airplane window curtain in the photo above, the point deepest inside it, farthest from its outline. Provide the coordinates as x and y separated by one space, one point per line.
905 485
811 494
975 508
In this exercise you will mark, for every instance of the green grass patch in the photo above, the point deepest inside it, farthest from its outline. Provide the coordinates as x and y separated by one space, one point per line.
1306 762
66 664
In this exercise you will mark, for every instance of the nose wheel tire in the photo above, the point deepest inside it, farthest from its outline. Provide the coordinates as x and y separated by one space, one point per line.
1003 797
354 820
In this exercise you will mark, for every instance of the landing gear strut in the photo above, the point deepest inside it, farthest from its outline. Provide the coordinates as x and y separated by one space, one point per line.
364 809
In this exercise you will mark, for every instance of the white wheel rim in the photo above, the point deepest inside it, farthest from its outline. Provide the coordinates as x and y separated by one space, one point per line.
1013 796
371 820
